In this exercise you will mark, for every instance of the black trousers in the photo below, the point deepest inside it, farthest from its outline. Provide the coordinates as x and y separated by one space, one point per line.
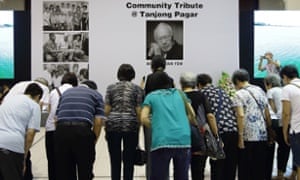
252 161
147 141
74 150
11 165
114 142
49 142
283 150
198 166
226 168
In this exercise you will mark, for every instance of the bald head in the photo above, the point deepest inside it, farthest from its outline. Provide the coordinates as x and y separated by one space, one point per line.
163 35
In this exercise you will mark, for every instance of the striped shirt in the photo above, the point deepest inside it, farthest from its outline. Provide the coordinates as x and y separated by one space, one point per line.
80 104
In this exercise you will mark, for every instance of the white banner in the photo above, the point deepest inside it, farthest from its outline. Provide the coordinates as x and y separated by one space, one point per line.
197 36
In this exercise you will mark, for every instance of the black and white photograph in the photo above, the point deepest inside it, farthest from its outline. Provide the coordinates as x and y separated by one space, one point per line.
65 16
164 38
54 72
66 47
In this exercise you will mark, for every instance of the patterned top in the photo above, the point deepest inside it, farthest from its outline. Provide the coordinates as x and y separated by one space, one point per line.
254 123
221 105
123 97
80 104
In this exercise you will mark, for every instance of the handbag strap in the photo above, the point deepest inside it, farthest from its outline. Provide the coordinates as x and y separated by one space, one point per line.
187 109
220 103
184 100
58 91
263 115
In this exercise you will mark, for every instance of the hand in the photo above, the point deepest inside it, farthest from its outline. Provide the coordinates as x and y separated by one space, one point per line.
261 58
241 144
286 138
154 50
24 167
271 135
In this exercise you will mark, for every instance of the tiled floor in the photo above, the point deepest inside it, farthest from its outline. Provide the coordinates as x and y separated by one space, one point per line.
101 166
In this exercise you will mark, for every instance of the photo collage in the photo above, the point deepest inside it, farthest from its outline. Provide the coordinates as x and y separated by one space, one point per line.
65 40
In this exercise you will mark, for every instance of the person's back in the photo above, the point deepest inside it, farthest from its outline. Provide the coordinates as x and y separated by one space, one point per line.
171 137
170 126
221 105
20 118
255 126
16 116
19 88
80 115
76 103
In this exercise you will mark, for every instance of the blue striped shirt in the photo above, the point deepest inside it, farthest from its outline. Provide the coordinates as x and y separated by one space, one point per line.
80 104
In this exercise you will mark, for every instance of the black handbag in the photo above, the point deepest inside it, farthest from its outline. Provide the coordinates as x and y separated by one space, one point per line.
140 157
214 146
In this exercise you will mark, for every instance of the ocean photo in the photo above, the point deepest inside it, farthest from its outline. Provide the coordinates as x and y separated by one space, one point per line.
281 37
6 45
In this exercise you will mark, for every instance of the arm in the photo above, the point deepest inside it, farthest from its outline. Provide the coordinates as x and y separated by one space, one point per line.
107 109
211 119
29 137
270 131
145 116
190 113
272 104
260 63
97 127
138 110
286 118
240 125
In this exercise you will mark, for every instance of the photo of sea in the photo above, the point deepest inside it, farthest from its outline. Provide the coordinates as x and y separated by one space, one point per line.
6 45
277 32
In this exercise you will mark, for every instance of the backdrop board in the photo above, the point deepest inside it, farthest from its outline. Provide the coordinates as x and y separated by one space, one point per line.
203 36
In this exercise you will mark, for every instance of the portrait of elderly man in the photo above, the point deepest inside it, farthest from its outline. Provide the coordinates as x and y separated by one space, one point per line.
163 41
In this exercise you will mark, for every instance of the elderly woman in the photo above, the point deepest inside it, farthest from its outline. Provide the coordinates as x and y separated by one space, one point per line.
122 107
170 129
254 123
188 83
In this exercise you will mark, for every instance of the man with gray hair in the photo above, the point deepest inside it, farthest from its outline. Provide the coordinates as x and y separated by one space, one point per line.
164 43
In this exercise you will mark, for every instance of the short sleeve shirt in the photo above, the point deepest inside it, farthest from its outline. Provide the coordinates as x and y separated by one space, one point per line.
53 101
18 114
80 104
254 123
123 97
222 107
169 123
275 95
291 93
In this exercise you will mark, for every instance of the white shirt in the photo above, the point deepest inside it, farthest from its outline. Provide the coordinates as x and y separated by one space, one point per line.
17 114
275 94
20 88
291 93
53 102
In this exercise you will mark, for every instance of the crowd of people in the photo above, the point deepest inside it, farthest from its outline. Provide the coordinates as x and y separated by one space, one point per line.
249 123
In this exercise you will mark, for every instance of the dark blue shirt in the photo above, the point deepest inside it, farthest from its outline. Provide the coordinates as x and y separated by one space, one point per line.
80 104
222 107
